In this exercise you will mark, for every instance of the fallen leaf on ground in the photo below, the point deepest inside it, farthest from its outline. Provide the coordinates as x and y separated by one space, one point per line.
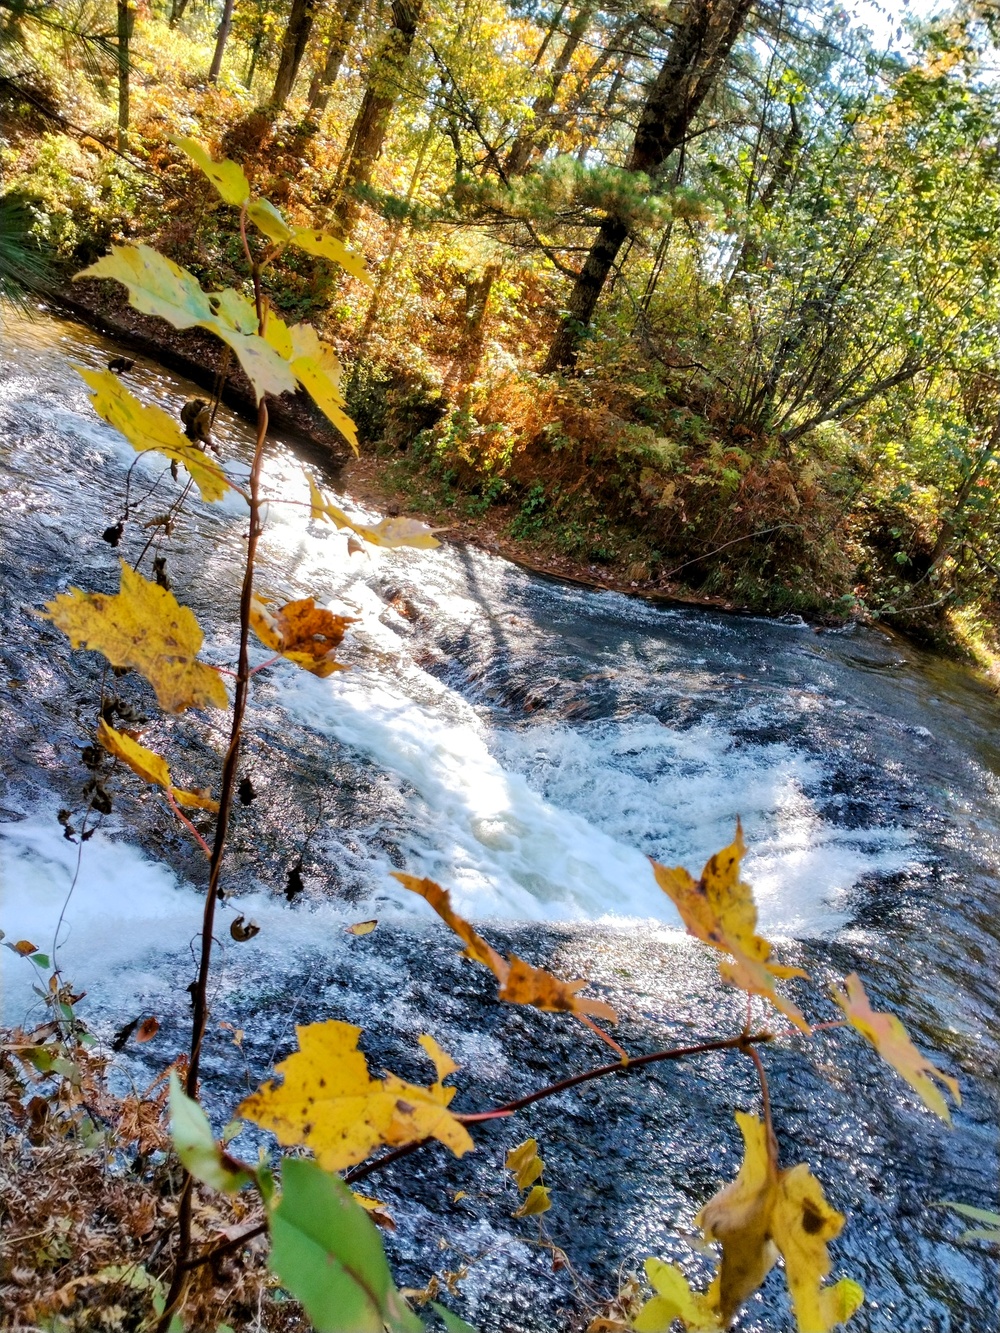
361 928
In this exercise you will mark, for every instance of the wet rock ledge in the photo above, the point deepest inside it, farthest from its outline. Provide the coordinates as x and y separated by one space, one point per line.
196 355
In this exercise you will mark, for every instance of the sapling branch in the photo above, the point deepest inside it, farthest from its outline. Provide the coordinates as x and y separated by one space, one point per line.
742 1042
226 795
187 824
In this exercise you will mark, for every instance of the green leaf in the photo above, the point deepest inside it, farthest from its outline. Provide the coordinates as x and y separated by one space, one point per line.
158 286
42 959
196 1146
235 310
967 1210
992 1236
451 1321
227 176
327 1253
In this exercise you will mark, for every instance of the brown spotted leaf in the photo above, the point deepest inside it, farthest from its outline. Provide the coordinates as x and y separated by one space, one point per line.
329 1102
766 1212
719 909
143 626
303 632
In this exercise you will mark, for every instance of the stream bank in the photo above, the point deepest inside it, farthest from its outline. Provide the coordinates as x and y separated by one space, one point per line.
197 356
517 521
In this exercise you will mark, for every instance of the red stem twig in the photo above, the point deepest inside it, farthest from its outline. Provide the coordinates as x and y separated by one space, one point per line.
745 1041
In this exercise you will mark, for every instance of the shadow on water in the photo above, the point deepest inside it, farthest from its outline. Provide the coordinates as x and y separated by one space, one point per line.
528 743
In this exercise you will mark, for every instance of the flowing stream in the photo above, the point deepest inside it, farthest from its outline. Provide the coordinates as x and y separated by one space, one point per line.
528 744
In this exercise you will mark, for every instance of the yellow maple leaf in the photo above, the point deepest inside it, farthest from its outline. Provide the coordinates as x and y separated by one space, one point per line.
143 626
270 221
149 766
441 1060
802 1222
526 984
765 1212
476 947
390 532
674 1300
147 427
329 1102
315 365
739 1217
301 631
719 910
890 1038
377 1211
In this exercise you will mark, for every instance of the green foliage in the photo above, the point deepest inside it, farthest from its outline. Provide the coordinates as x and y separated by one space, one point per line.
328 1254
196 1146
989 1232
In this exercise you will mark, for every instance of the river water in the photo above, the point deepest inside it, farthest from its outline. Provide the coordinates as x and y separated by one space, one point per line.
527 744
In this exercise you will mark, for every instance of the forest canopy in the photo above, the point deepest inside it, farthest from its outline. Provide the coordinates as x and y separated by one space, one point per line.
696 297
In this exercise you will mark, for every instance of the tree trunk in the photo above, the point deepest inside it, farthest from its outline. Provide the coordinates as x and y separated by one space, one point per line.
300 22
222 37
126 20
177 9
257 43
523 146
341 32
701 44
372 120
